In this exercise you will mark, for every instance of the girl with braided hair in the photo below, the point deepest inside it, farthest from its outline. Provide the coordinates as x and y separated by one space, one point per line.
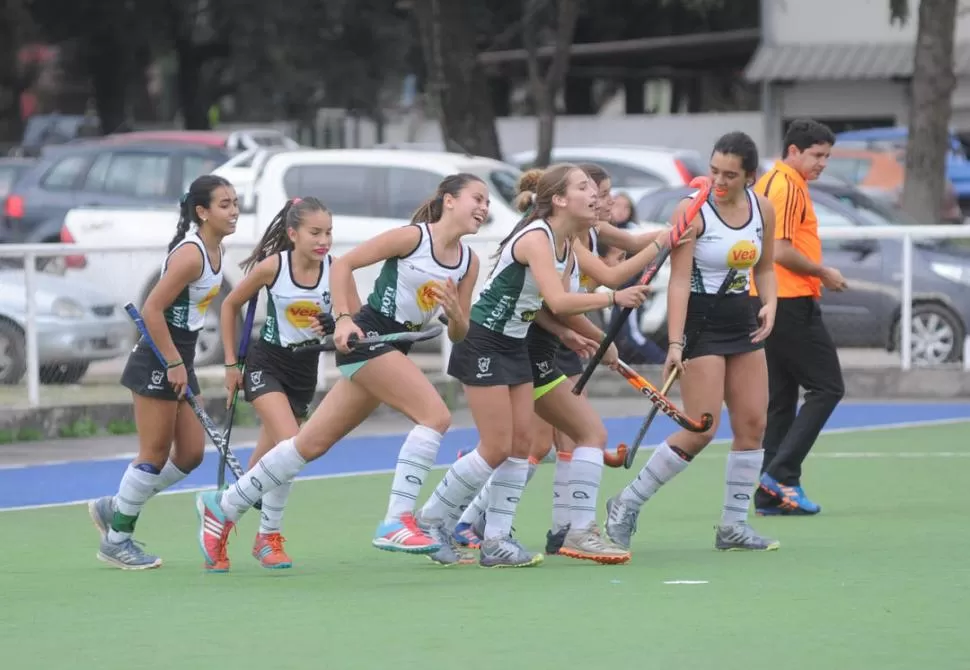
292 262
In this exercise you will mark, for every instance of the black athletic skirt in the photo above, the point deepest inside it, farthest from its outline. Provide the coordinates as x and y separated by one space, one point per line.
727 329
569 362
487 358
273 369
543 355
373 323
146 376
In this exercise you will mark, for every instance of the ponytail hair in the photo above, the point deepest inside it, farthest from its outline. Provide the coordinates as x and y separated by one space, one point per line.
430 210
276 239
536 189
198 195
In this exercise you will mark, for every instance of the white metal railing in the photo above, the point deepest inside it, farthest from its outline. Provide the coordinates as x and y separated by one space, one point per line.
484 246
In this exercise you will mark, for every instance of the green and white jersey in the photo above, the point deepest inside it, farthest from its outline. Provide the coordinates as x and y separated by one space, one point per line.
291 308
188 310
719 247
510 297
404 292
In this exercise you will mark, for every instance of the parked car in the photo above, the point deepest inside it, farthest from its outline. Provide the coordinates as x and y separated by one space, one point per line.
368 192
76 324
11 170
867 315
92 174
231 141
957 163
634 170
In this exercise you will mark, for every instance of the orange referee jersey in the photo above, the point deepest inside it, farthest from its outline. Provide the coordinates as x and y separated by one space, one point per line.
796 222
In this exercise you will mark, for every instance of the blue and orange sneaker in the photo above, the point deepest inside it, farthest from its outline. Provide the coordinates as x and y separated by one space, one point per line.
465 535
791 499
404 535
214 530
268 550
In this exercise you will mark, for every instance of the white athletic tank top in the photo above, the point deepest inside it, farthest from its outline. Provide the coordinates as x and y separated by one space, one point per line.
510 297
292 308
188 310
721 247
403 290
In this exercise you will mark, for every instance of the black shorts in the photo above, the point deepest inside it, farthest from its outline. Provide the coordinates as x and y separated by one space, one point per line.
569 362
273 369
727 330
373 323
146 376
543 355
487 358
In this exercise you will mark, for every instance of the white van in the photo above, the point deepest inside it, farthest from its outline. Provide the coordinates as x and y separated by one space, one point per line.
368 191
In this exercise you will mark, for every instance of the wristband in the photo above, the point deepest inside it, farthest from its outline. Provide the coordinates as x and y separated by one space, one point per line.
232 365
174 364
340 316
659 246
612 297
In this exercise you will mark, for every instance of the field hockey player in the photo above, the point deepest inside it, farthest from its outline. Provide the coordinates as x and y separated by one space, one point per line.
292 263
171 441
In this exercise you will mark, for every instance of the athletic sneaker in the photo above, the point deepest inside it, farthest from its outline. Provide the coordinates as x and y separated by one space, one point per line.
742 537
621 521
507 553
214 530
404 535
268 550
466 536
102 511
554 540
127 555
450 553
791 499
587 544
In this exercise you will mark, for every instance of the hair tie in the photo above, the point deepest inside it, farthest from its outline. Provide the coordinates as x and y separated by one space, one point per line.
532 197
296 201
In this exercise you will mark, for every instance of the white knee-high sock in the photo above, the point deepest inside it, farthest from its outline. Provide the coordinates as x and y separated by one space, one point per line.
456 489
506 488
413 465
740 479
274 502
585 475
664 464
276 468
138 484
560 491
474 514
168 477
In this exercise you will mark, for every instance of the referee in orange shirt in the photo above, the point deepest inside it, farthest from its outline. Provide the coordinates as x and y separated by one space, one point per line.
800 351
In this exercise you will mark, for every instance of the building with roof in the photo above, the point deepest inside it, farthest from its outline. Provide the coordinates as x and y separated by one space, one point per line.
844 63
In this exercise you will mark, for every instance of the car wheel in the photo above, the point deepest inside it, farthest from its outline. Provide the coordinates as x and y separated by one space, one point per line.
937 335
63 373
13 353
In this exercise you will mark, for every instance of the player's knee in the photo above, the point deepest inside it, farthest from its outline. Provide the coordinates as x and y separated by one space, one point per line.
593 435
437 419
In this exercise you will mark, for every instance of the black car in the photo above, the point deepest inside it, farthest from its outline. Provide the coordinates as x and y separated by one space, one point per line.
867 315
93 174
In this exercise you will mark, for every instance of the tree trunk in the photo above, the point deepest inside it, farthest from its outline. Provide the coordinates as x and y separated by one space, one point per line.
930 108
456 80
546 88
192 104
109 78
12 81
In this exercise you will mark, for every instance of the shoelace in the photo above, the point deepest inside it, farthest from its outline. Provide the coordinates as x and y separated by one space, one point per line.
223 553
275 542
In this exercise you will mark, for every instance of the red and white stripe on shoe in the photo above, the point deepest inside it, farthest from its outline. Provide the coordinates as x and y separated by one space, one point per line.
404 535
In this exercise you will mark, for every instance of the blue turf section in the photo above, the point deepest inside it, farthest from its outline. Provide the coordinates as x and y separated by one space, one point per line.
68 482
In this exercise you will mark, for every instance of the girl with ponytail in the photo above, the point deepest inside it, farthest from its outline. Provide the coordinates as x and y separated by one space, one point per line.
171 439
292 263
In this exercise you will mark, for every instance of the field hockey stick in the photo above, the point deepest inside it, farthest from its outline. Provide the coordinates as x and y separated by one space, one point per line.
619 318
241 364
328 344
645 426
663 404
210 427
